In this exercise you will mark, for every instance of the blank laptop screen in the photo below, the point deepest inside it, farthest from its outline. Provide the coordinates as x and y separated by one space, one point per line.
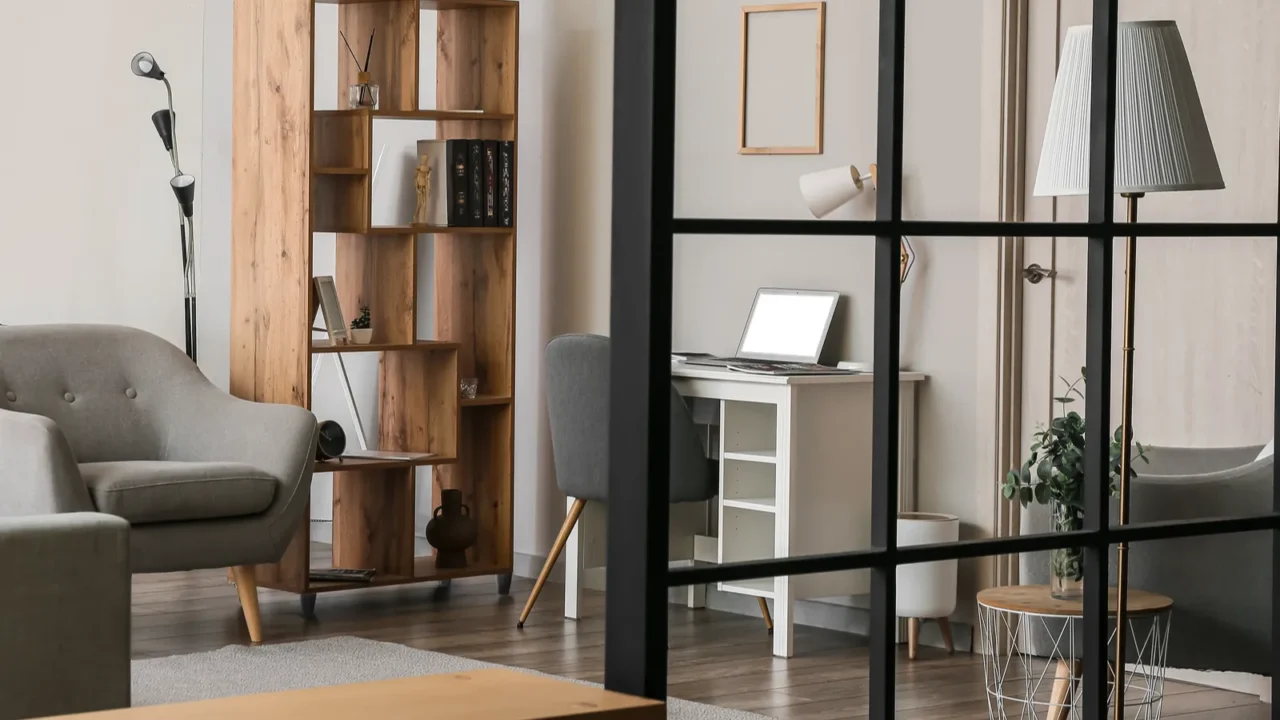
788 325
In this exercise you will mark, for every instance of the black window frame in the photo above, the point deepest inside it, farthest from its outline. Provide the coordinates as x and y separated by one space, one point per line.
644 228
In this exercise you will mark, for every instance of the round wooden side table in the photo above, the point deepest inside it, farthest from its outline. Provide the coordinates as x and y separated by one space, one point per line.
1022 685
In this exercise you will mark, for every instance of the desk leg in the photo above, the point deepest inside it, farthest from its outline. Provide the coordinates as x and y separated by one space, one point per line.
783 627
573 569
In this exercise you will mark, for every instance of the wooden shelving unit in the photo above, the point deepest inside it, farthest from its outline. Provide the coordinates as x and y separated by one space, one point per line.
298 171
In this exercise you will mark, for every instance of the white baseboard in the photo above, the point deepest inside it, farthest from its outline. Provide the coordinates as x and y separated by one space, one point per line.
1234 681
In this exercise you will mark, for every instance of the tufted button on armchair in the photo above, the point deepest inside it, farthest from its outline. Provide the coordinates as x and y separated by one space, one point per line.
118 421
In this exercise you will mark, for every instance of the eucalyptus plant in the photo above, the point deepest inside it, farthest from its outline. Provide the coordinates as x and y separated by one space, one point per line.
1053 474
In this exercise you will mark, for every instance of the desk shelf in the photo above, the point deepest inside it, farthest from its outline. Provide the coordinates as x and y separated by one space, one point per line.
756 588
763 504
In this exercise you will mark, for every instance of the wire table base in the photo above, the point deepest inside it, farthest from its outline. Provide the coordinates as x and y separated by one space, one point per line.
1027 686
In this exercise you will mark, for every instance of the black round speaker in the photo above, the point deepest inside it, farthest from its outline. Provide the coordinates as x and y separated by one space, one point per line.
333 441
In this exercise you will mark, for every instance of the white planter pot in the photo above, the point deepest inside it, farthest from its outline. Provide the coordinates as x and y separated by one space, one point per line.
927 590
362 337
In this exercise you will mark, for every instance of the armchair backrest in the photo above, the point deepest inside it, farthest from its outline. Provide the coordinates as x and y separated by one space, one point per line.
105 386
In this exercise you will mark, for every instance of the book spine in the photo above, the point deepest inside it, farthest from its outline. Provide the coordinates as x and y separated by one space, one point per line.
507 184
490 183
457 185
475 183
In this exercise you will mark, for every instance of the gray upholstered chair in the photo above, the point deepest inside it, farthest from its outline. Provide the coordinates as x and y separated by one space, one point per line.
1220 584
118 421
578 403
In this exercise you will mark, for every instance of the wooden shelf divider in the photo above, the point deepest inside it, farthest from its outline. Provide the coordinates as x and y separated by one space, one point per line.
311 172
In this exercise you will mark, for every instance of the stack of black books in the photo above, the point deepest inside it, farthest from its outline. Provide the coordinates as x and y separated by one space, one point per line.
479 190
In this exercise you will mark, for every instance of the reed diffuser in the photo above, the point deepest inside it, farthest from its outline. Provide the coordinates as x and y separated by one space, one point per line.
363 95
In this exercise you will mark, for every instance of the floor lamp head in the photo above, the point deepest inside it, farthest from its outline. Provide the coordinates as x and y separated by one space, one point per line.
184 188
145 65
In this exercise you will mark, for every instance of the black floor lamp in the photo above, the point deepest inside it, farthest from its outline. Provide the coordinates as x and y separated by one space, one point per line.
184 188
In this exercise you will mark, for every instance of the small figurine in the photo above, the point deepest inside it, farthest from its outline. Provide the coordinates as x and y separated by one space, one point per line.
422 181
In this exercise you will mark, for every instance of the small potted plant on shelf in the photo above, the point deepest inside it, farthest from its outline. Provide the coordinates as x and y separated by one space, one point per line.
362 327
1053 475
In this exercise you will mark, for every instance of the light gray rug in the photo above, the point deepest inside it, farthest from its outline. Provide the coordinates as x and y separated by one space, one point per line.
239 670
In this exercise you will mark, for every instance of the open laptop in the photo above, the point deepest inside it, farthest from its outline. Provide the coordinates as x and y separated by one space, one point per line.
784 335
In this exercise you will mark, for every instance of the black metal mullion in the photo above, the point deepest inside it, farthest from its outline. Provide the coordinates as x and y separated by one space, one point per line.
966 228
1275 492
1097 480
884 434
640 364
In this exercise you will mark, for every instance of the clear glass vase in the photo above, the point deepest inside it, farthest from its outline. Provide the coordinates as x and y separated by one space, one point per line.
363 95
1066 566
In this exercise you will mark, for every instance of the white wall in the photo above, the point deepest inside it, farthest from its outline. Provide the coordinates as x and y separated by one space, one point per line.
91 231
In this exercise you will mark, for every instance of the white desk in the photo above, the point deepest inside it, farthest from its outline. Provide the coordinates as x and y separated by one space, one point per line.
795 479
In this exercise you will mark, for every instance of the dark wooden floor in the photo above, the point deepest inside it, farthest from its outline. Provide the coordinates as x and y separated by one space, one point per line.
716 658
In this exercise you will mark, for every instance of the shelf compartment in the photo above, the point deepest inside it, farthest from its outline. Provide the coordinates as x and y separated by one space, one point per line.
746 534
475 302
321 347
750 431
339 203
342 140
749 485
373 512
418 408
762 587
483 473
378 273
768 457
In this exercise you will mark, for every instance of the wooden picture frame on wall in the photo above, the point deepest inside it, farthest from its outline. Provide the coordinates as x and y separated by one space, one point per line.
779 48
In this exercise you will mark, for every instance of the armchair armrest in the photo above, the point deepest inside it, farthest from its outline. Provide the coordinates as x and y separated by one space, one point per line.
64 614
209 425
38 474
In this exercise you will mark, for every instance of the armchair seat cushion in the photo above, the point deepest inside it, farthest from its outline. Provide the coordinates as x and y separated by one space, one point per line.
156 492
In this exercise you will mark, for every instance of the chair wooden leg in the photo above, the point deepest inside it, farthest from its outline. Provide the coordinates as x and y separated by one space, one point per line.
944 624
1060 699
247 588
913 637
570 520
764 610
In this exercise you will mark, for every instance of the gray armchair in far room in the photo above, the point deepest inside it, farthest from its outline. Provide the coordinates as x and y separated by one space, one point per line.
1220 584
119 421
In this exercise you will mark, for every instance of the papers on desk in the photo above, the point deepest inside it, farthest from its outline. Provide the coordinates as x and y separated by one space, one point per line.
679 357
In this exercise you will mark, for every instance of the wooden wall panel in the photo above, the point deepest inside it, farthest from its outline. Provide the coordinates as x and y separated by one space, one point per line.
394 64
271 236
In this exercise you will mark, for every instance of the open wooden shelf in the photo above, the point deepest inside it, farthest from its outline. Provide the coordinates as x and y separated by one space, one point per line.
428 115
321 347
435 4
361 464
310 172
486 401
359 172
419 229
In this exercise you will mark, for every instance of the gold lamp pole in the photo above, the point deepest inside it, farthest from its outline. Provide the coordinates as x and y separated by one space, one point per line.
1126 439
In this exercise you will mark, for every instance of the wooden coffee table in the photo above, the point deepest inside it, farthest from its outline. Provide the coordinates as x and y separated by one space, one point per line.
476 695
1013 682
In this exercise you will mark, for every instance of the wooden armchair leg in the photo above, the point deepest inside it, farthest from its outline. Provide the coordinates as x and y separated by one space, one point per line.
570 520
764 611
247 588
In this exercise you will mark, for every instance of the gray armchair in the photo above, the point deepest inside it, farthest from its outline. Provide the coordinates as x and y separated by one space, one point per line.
1221 584
118 421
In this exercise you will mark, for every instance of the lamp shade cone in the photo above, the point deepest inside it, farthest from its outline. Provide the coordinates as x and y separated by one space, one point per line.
827 190
184 188
163 120
144 65
1161 137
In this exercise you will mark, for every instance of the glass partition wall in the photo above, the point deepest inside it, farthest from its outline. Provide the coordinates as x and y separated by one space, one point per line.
641 326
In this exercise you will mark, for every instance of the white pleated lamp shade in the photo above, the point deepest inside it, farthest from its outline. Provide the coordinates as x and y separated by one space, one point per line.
826 190
1162 139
